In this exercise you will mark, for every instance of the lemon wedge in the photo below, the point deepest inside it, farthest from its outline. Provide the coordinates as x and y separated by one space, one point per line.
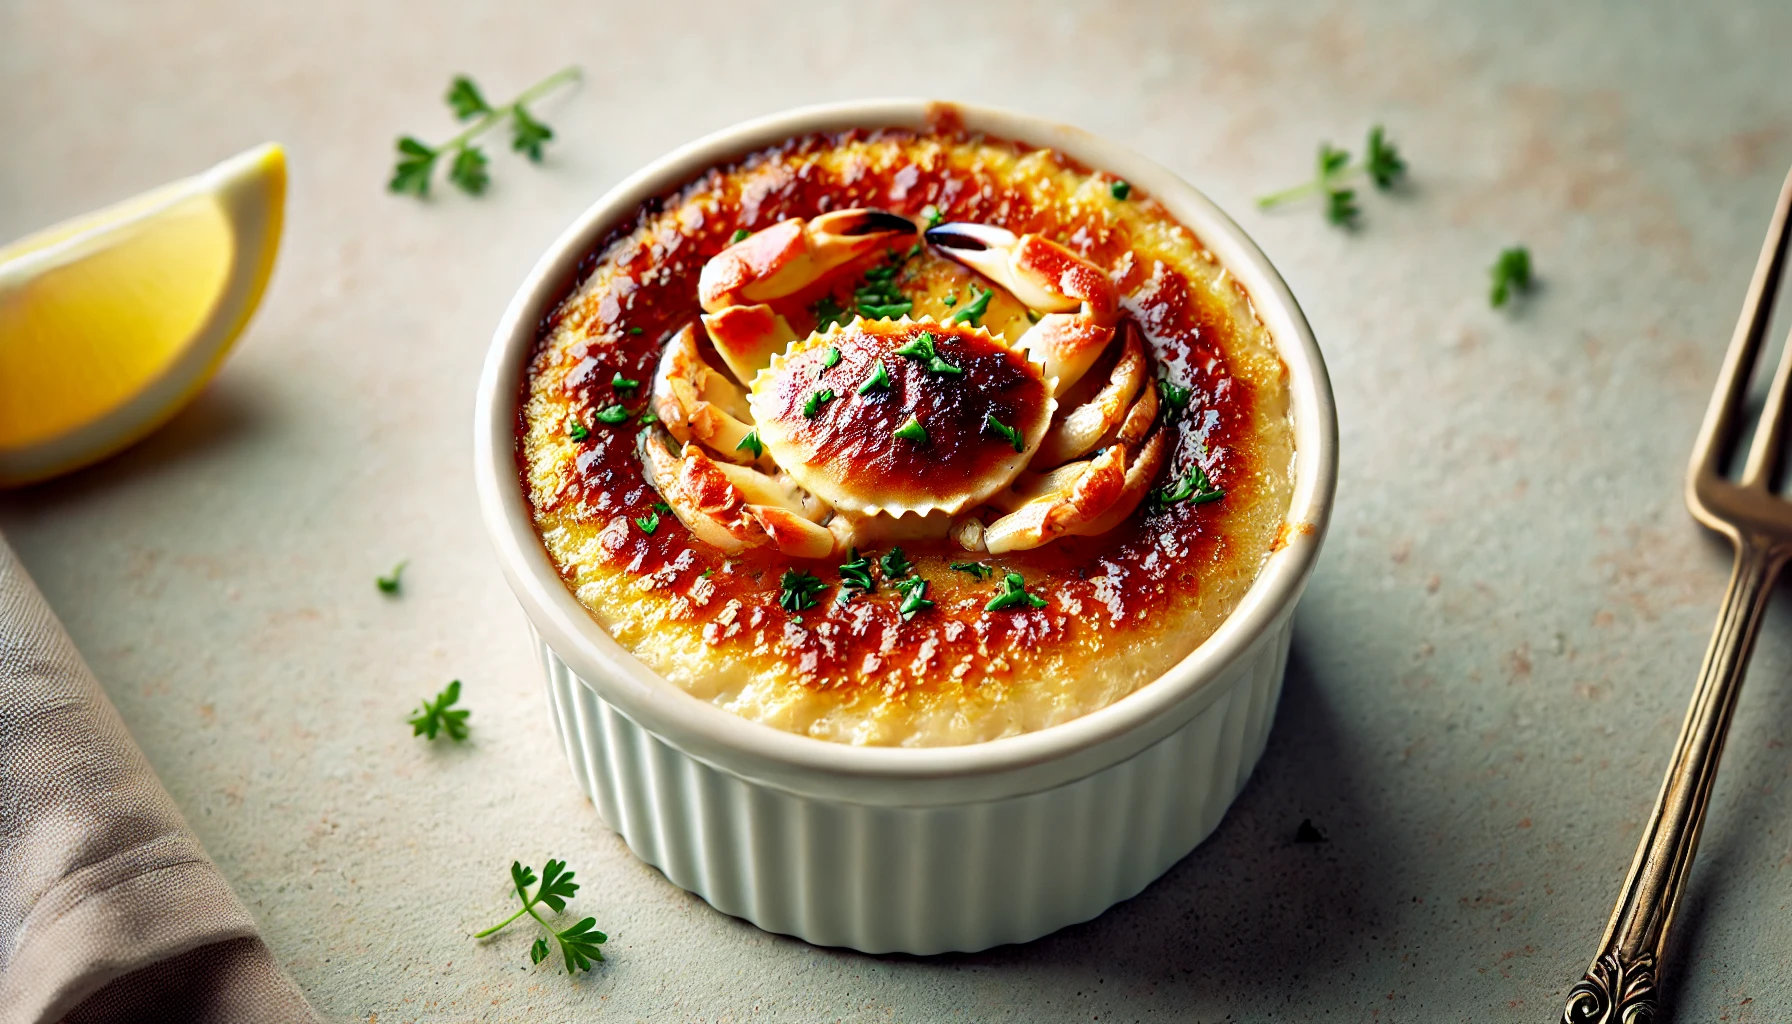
112 321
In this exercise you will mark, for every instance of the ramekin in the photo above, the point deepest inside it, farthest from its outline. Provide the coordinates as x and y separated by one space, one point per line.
910 850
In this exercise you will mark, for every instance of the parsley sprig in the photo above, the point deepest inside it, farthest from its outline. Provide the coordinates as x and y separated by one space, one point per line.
1014 595
434 717
1511 275
467 163
578 942
389 584
1382 163
1195 487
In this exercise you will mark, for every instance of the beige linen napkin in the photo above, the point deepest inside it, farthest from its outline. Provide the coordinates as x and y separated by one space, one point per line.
110 911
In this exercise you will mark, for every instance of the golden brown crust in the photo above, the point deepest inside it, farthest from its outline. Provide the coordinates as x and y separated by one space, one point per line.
1119 606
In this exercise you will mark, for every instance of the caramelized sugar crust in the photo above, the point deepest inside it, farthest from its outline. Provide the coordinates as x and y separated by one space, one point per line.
1120 608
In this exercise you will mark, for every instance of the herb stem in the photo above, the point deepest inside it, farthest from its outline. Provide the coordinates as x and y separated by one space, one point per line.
496 114
1288 195
500 925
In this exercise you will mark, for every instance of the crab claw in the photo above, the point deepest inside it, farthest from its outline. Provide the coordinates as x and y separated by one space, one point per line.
1079 301
1059 502
793 254
695 403
747 337
732 507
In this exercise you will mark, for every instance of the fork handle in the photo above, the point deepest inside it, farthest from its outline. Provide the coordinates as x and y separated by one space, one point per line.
1620 986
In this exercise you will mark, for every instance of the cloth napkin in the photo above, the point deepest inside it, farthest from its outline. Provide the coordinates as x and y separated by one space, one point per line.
110 911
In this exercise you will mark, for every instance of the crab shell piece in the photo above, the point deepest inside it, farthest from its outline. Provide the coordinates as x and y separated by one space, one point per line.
1086 425
1082 499
793 254
732 507
846 431
695 403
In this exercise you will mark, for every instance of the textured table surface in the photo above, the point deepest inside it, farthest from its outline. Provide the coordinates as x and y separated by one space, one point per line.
1490 665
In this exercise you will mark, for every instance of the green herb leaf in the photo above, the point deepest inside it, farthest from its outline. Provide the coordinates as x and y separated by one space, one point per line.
914 597
1120 190
578 943
1383 162
1173 394
752 444
637 330
895 563
830 358
921 349
855 577
878 381
740 235
797 590
977 569
817 398
468 172
973 312
465 99
647 417
911 430
527 135
933 215
1194 487
649 523
438 716
416 161
949 299
885 311
1340 206
1511 274
576 431
660 506
389 584
621 383
1014 595
1006 433
828 313
612 414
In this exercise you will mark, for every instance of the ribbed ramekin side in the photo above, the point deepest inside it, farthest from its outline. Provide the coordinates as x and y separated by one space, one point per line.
920 879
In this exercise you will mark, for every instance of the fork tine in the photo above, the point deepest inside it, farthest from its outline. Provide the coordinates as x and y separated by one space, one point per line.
1718 431
1764 452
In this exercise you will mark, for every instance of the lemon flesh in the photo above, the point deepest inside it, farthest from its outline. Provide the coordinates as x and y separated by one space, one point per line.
110 322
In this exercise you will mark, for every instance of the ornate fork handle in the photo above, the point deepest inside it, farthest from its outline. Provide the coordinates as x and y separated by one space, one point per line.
1620 986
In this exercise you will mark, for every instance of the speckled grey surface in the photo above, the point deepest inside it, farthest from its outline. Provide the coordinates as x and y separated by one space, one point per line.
1490 665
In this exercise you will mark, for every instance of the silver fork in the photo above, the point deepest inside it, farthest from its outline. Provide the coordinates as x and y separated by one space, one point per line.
1620 987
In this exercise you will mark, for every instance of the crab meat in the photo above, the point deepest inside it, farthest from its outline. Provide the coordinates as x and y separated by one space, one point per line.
780 261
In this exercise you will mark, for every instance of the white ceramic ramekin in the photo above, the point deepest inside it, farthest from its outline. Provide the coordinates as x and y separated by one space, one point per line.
912 850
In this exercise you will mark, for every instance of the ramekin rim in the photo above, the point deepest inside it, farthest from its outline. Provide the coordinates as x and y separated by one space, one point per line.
751 748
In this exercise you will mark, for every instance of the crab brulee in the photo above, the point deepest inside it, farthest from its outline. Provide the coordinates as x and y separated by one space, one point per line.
906 438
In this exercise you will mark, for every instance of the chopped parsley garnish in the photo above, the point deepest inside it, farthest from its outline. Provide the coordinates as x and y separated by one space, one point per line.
798 590
435 716
647 417
895 563
913 251
1174 395
621 383
1006 433
637 330
740 235
1195 488
921 349
1384 164
878 381
389 584
855 577
612 414
914 597
1120 190
935 216
911 430
879 298
1340 206
1511 273
578 942
830 358
648 523
949 299
660 506
828 313
1014 595
977 569
752 444
973 312
575 430
817 398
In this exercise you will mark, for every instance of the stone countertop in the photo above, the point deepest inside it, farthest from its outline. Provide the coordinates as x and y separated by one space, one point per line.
1490 666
